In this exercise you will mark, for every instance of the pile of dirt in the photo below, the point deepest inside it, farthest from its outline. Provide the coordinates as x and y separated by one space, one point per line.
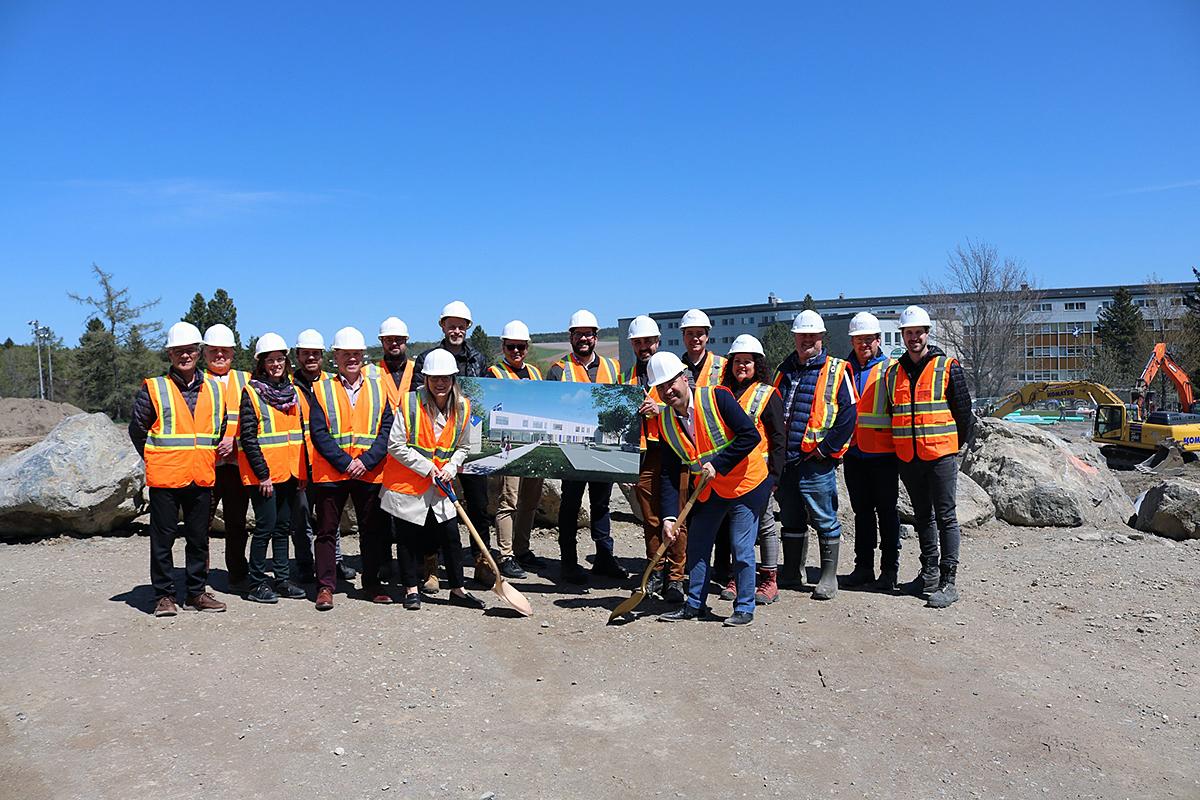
22 417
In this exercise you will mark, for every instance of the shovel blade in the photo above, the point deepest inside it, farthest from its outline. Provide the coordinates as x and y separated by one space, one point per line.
628 605
512 597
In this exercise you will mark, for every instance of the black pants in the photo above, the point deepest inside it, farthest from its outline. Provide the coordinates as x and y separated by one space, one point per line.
873 484
231 493
599 494
475 501
418 541
165 505
272 521
931 487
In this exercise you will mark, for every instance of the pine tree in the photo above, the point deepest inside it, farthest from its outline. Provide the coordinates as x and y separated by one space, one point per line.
138 362
483 343
808 304
1119 330
98 354
778 343
197 313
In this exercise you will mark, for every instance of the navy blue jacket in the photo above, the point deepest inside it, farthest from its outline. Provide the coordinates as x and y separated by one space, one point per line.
797 385
318 427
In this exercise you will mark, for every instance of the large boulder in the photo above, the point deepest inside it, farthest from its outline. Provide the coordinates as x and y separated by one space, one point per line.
1036 479
547 513
973 505
1171 509
84 477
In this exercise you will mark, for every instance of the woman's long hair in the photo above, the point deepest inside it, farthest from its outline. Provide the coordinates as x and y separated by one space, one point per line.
730 382
260 367
454 399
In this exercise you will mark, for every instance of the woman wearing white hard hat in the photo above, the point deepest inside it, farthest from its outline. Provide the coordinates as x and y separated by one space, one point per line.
428 441
271 464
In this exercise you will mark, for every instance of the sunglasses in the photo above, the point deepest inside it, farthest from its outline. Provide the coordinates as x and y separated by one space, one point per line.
519 347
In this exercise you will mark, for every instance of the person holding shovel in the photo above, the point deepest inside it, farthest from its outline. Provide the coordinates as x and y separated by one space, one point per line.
428 441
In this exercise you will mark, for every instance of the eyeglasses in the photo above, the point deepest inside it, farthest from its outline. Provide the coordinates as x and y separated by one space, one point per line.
516 346
583 335
185 350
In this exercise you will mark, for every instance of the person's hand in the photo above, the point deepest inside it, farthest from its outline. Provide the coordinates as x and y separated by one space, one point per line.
668 531
442 474
708 472
266 488
649 408
815 455
356 469
225 447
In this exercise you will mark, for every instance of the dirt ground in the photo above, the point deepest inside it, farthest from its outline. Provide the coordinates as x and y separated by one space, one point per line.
1069 669
25 422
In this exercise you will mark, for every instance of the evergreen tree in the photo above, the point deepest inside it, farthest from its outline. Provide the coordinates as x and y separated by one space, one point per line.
778 343
98 356
808 304
221 310
9 344
138 361
1120 328
197 313
483 343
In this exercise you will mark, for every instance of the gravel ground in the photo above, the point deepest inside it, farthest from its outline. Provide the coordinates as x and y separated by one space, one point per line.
1069 669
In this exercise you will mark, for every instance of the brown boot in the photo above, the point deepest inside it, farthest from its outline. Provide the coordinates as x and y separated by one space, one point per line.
205 602
430 584
165 607
483 572
767 591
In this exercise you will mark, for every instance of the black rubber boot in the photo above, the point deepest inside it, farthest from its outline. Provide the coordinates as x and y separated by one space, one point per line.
827 586
927 579
946 592
795 556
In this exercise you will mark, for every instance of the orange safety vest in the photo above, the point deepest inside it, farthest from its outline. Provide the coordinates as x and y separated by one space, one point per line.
754 402
825 408
651 426
713 436
873 429
279 437
922 425
353 428
302 403
609 370
234 382
181 445
393 389
503 370
711 366
418 429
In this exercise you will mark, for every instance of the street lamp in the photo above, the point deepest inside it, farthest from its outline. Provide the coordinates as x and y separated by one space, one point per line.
37 340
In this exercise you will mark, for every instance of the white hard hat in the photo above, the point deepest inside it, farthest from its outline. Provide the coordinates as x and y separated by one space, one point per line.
182 333
695 318
808 321
439 362
392 326
349 339
456 308
219 336
269 343
662 367
864 323
746 344
915 317
642 326
583 319
310 339
516 330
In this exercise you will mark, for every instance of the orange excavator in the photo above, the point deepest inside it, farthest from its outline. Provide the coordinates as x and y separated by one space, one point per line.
1143 395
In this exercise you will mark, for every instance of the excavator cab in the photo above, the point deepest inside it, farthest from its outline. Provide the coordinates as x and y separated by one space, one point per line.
1110 420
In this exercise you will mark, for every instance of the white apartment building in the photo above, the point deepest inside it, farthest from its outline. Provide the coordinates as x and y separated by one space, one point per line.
528 428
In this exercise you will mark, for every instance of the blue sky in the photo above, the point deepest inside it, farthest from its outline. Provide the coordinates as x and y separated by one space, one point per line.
334 164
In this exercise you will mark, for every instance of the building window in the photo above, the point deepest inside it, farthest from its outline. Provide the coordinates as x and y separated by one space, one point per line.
1075 306
1041 307
502 421
1176 301
1106 304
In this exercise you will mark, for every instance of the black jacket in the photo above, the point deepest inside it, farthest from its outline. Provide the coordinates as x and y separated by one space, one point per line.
958 393
470 363
248 438
143 416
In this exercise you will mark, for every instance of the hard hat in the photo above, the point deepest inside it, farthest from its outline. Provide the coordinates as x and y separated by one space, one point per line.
455 308
746 344
808 321
643 326
662 367
695 318
439 362
864 324
583 319
516 330
915 317
392 326
269 343
219 336
182 333
310 339
349 339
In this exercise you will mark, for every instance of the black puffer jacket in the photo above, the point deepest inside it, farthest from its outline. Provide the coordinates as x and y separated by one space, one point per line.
470 363
143 416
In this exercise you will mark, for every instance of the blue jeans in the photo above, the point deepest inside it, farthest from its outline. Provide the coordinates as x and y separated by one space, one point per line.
705 520
808 496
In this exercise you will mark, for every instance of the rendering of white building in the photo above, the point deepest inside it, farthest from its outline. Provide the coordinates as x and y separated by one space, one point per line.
528 428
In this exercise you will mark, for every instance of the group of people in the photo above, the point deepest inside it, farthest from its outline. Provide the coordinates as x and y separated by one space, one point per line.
720 435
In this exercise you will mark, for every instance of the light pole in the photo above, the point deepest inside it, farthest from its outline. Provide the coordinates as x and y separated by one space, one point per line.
37 340
49 361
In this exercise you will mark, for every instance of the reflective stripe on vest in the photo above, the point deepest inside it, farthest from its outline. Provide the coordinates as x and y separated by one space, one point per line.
873 429
825 406
609 370
279 437
754 401
922 424
181 445
712 436
418 431
503 370
352 428
234 382
709 373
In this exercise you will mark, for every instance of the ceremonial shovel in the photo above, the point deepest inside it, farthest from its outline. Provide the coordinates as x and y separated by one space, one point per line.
639 594
504 590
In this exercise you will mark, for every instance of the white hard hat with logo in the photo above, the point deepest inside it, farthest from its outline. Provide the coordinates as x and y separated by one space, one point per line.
439 362
642 326
808 321
583 319
516 330
456 308
915 317
349 339
662 367
183 333
695 318
864 324
310 339
746 344
392 326
219 336
269 343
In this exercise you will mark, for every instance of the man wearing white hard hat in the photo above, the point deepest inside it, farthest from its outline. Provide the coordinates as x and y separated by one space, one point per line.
667 581
519 497
929 403
176 423
349 426
872 474
706 433
396 369
819 410
584 365
704 365
220 346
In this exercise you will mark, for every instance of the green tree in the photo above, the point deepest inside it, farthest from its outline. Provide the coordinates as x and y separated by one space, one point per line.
138 362
483 343
197 312
778 343
97 388
1118 358
1191 328
9 343
808 304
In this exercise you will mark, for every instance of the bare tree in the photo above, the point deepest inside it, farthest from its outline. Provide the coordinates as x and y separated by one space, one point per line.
983 308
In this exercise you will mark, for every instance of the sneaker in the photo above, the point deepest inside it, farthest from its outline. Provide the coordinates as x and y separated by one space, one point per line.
289 590
510 568
606 565
466 600
943 597
738 618
412 601
205 602
654 585
684 614
573 573
262 594
530 560
165 607
324 599
729 591
674 592
345 572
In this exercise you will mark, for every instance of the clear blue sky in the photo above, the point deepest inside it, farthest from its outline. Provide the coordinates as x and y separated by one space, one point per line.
332 164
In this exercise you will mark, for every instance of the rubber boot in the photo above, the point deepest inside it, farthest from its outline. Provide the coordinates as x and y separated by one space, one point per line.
927 579
946 592
827 586
863 573
767 591
795 556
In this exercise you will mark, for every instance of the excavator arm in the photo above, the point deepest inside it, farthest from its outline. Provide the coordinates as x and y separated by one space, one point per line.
1085 391
1160 358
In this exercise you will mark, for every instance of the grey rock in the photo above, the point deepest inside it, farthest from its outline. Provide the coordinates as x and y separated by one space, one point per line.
972 504
1171 509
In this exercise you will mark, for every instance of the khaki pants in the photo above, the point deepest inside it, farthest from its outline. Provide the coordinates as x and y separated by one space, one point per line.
519 498
649 478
